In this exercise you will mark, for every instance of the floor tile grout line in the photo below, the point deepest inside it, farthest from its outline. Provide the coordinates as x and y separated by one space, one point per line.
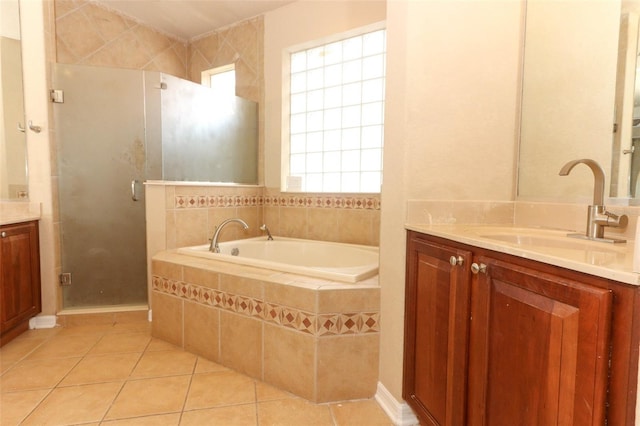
124 382
333 417
36 406
102 419
186 394
25 355
255 400
55 386
130 378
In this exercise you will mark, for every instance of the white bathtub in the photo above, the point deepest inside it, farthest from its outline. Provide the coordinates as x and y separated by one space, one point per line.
333 261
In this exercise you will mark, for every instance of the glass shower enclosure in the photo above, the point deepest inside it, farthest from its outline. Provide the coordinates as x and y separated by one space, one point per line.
100 133
115 129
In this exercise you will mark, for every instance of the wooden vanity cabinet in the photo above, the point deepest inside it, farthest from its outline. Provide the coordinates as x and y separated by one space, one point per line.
518 342
436 329
20 273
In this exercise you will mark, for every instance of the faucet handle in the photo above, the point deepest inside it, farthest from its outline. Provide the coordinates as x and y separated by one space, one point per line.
616 220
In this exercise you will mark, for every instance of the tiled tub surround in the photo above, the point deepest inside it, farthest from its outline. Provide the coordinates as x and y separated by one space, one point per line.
191 214
317 339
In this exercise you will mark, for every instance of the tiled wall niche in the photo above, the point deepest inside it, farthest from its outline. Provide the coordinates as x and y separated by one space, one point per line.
314 338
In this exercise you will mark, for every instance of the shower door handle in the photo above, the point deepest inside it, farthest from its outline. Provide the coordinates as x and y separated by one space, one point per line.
134 194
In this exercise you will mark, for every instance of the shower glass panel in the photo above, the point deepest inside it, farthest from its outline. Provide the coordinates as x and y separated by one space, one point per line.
100 132
115 129
208 138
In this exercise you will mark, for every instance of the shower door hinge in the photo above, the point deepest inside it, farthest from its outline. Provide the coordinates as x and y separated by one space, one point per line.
57 96
65 278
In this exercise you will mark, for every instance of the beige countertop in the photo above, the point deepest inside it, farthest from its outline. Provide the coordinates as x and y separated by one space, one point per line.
554 247
18 211
9 220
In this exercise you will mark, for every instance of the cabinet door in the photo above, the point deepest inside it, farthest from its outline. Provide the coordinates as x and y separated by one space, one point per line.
20 272
436 332
540 348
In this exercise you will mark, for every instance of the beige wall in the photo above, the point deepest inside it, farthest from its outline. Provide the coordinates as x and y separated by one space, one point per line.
32 16
450 128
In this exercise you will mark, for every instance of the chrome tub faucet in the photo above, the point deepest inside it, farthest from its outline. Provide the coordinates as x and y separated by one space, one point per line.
597 215
213 247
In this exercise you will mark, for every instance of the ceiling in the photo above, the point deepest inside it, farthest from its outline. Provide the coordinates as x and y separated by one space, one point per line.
188 19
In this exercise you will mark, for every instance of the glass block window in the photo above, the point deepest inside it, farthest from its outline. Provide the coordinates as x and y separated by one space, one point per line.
336 122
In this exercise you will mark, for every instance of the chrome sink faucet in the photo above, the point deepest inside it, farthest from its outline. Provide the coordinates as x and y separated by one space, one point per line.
213 247
597 215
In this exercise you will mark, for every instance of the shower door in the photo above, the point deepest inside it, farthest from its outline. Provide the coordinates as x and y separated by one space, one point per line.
100 133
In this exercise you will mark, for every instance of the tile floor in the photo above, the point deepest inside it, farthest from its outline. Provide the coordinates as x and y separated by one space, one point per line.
117 374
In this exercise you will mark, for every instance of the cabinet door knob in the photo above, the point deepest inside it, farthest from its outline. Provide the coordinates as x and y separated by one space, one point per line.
456 261
3 234
481 268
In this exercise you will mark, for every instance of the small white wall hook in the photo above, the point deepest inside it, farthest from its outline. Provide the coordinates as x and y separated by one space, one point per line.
34 128
21 128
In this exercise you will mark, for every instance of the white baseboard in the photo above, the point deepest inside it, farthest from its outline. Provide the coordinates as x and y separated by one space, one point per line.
400 413
43 321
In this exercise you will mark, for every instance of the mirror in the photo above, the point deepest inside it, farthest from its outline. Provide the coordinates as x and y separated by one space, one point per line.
569 85
626 161
13 149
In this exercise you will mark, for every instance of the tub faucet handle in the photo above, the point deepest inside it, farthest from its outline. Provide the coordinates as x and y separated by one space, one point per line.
266 229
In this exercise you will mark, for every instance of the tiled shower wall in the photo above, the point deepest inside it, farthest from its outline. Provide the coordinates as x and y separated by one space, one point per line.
89 34
240 44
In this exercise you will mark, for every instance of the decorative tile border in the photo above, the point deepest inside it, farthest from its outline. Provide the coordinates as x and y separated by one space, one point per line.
303 201
306 322
318 201
207 201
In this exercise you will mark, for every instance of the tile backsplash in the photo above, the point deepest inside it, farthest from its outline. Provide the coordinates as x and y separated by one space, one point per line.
565 216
